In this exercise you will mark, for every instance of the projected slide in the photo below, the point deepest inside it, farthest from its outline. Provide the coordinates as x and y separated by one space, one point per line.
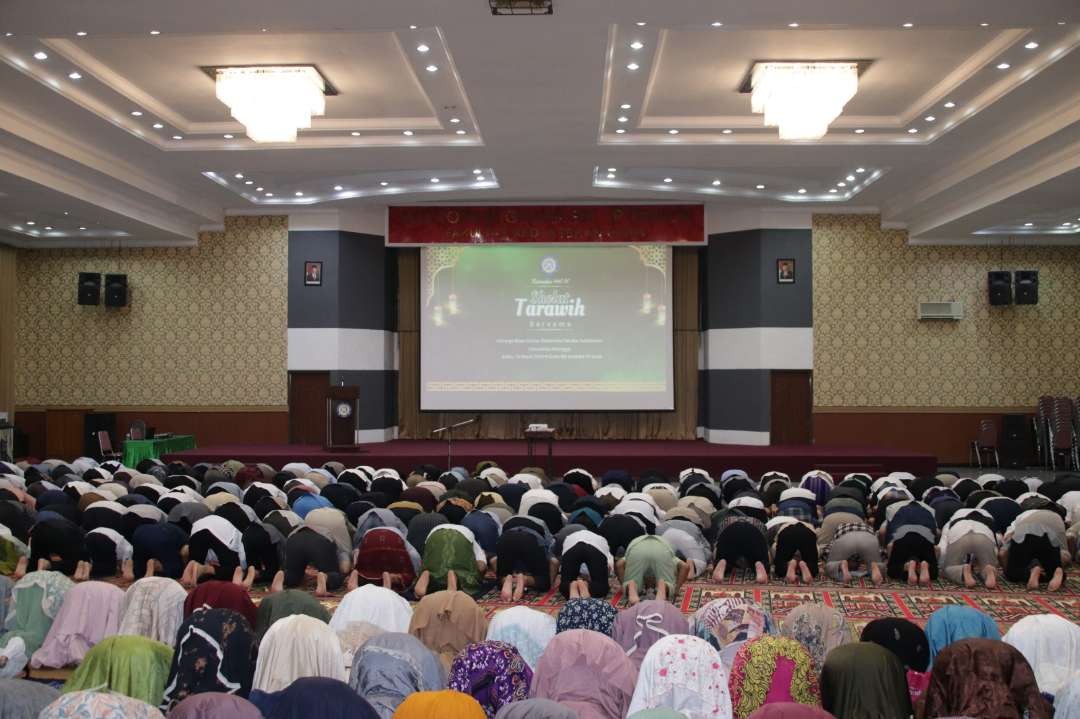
546 328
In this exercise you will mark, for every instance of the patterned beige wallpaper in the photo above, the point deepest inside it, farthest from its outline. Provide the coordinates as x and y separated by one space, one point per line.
206 325
871 351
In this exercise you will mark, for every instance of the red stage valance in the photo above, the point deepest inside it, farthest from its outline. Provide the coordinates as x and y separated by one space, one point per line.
547 224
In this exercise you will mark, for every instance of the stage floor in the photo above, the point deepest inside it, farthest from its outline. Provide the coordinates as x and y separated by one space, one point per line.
596 456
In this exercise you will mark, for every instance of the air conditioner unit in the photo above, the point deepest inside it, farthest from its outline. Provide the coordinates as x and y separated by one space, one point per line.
941 311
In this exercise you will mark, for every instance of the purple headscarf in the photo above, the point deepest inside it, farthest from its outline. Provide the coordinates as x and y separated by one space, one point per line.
493 673
639 627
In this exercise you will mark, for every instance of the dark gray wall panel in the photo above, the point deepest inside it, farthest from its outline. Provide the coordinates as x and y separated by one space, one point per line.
313 306
732 290
738 399
377 404
785 305
362 298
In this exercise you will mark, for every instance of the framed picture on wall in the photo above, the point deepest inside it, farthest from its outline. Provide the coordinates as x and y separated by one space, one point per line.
785 271
313 273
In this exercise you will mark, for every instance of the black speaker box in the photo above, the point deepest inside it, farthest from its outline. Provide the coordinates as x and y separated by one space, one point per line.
116 291
89 288
1000 284
1027 287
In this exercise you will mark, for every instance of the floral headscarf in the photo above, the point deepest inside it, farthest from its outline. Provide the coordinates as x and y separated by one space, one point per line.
594 614
99 705
724 621
685 674
772 669
493 673
818 628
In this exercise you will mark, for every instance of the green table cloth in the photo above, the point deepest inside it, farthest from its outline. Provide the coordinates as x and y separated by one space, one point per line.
136 450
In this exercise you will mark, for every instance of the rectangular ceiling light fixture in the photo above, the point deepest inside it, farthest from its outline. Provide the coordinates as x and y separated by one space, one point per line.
802 98
272 102
521 7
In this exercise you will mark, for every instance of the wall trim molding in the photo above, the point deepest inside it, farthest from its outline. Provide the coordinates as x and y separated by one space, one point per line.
925 410
736 436
152 408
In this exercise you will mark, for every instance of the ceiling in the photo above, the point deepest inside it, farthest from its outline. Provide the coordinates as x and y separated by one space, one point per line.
965 129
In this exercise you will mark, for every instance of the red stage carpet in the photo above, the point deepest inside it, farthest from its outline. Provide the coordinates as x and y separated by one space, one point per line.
595 455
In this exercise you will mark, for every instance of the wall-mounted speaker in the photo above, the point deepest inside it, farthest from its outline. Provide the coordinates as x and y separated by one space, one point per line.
1027 287
116 291
89 288
1000 286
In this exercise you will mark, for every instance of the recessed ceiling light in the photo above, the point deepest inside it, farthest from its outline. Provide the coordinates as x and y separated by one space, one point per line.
74 76
793 24
298 193
726 131
269 194
354 133
459 132
667 179
31 222
249 182
623 118
632 66
48 227
432 68
422 48
984 24
1003 66
717 24
227 136
477 172
481 178
950 104
673 132
155 32
620 131
802 190
913 130
81 33
715 182
641 24
82 228
929 118
1029 224
860 169
455 120
40 55
624 106
833 189
434 179
636 45
760 187
383 183
136 113
8 34
407 133
841 184
611 169
850 178
859 131
258 189
239 176
1031 45
1061 22
66 213
264 29
158 126
412 27
338 188
178 137
611 176
908 25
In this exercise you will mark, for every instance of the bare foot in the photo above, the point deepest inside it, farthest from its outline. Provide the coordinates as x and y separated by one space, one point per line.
238 576
507 588
762 574
1033 579
1056 581
249 578
661 591
969 578
990 577
632 597
718 573
191 574
789 578
912 573
519 587
806 575
353 581
845 572
82 571
127 570
20 568
152 566
575 593
451 581
43 565
278 584
875 574
387 580
421 587
924 573
584 591
320 585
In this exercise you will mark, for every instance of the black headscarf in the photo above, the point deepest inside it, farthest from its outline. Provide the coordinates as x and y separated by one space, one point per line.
215 652
903 638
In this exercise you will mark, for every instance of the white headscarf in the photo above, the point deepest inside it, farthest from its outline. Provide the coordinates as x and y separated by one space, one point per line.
683 673
153 607
524 628
537 496
531 480
373 604
1051 644
297 646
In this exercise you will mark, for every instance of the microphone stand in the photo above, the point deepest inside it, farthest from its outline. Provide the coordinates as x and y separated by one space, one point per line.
449 430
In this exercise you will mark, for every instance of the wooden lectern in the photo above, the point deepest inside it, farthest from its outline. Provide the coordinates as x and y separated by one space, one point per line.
341 417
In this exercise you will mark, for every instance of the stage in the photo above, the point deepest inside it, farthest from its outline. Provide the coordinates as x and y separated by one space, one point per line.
596 456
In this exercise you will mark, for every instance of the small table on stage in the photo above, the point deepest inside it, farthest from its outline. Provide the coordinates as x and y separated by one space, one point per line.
136 450
534 435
